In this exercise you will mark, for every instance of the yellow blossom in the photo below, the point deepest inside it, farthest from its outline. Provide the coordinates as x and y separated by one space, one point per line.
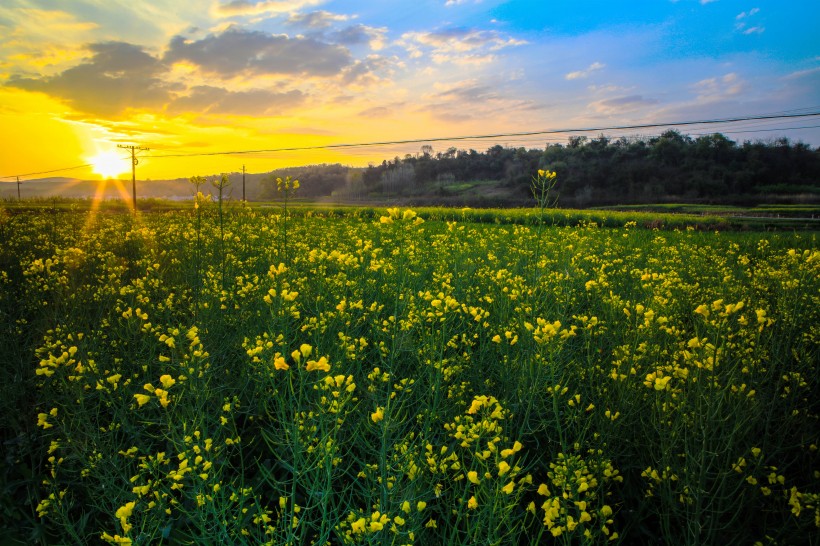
321 364
280 364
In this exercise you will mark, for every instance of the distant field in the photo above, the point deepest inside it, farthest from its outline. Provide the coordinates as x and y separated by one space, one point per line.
663 216
772 216
365 376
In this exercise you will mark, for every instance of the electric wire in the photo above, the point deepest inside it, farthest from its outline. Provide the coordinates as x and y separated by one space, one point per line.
550 134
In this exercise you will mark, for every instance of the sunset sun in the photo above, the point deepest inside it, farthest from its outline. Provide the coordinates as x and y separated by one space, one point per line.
109 164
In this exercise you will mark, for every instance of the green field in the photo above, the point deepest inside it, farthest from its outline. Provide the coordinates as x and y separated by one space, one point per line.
229 375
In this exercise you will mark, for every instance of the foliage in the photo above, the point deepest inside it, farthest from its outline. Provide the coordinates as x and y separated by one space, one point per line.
600 171
225 375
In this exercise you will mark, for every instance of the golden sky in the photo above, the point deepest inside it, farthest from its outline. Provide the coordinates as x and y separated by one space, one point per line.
199 77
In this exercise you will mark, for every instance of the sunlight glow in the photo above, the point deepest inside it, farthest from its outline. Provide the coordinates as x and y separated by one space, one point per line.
109 164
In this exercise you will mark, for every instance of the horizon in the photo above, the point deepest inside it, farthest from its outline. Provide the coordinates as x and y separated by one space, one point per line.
80 80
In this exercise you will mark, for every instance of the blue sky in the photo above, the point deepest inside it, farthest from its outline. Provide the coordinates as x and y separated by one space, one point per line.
247 74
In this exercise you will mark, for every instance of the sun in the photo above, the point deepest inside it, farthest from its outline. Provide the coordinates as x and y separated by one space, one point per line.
109 164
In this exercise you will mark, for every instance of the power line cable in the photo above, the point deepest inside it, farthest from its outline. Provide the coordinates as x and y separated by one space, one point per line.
797 113
52 171
498 135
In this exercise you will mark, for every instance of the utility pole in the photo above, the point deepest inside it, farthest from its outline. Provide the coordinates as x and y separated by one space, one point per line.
134 162
243 185
18 188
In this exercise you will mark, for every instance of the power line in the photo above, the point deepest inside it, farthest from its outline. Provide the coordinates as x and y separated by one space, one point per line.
49 172
498 135
788 114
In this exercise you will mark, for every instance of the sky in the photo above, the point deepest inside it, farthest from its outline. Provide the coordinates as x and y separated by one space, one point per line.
191 79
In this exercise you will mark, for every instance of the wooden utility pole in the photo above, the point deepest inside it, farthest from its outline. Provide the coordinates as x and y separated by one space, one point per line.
134 162
243 185
18 188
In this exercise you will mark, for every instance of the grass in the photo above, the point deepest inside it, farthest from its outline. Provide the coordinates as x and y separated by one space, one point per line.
362 376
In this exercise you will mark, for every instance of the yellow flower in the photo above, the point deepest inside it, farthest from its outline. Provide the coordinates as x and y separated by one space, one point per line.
472 475
503 468
358 525
508 488
280 364
42 422
162 396
472 504
123 513
321 364
167 381
377 415
142 399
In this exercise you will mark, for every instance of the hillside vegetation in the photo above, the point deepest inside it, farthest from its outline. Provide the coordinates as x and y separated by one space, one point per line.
593 172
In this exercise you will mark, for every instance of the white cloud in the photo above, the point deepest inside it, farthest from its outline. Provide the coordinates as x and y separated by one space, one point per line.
802 73
471 99
740 26
457 45
704 2
719 88
619 105
246 7
578 74
744 14
316 19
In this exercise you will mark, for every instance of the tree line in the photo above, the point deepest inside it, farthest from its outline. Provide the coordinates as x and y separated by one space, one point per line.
598 171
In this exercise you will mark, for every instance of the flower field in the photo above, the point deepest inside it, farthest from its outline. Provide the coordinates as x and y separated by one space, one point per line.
236 376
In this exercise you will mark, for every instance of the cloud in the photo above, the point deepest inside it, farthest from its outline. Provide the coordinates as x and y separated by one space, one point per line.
216 100
370 71
578 74
712 89
359 34
744 14
471 99
740 26
469 91
383 111
117 77
457 44
315 20
236 51
802 73
41 39
620 105
245 7
704 2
